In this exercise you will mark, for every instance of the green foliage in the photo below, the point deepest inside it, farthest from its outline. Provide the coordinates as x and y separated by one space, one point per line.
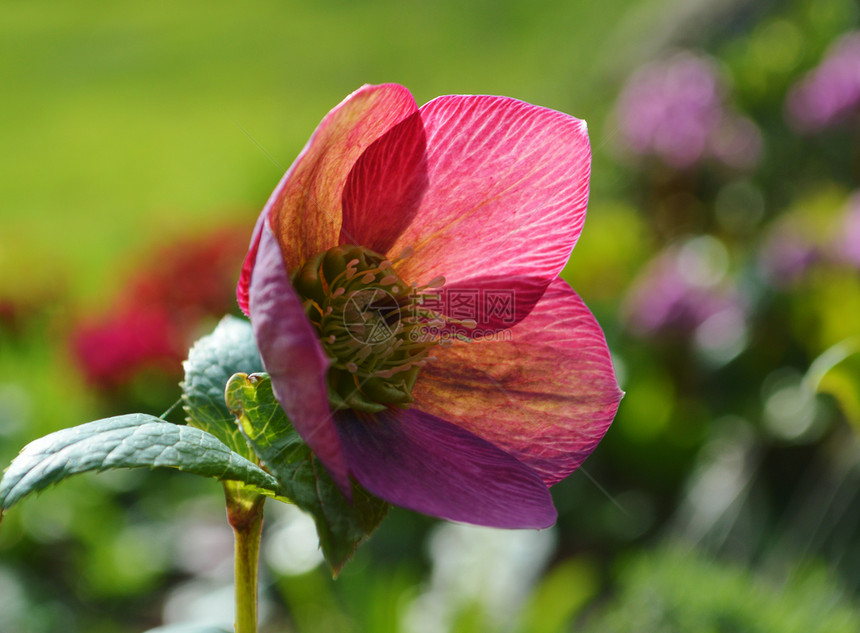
302 476
682 592
127 441
212 360
564 590
202 163
837 372
215 446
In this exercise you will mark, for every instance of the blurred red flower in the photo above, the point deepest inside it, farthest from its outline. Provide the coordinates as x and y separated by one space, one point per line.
162 309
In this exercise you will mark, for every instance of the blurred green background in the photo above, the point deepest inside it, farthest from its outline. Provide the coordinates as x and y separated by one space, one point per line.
721 255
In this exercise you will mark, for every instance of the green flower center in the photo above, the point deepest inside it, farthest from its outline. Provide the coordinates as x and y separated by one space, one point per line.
370 323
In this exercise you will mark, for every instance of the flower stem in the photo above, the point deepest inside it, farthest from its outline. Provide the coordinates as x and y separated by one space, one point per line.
245 514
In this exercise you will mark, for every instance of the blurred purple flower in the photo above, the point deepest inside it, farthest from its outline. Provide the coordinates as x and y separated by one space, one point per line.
831 91
675 109
847 238
682 288
798 241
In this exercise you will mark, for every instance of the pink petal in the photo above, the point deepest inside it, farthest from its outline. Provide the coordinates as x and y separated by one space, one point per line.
385 187
546 395
305 208
293 356
418 461
507 191
243 288
493 303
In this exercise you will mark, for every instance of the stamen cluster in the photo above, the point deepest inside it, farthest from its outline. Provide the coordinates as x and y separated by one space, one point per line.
370 323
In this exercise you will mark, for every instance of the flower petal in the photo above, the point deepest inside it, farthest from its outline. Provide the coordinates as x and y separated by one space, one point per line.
493 303
421 462
304 211
384 188
243 287
544 391
293 356
507 191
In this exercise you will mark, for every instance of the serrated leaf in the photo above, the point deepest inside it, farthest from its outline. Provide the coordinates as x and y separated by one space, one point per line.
303 478
126 441
230 349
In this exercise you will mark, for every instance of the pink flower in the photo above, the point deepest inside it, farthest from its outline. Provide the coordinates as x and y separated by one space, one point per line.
679 291
110 352
399 234
829 93
676 109
153 321
846 243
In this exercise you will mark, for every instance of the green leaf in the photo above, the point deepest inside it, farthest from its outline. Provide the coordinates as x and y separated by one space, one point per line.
126 441
837 372
303 478
212 360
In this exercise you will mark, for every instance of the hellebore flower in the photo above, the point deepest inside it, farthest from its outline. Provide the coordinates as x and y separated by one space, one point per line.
402 284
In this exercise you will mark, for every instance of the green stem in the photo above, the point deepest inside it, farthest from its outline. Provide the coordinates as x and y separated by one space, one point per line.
245 514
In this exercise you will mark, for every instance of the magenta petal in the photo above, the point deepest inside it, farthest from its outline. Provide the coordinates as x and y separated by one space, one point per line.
507 191
544 391
293 356
418 461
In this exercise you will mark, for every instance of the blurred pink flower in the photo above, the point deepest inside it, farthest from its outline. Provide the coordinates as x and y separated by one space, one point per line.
112 351
830 92
846 242
678 291
799 241
157 316
385 200
676 110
